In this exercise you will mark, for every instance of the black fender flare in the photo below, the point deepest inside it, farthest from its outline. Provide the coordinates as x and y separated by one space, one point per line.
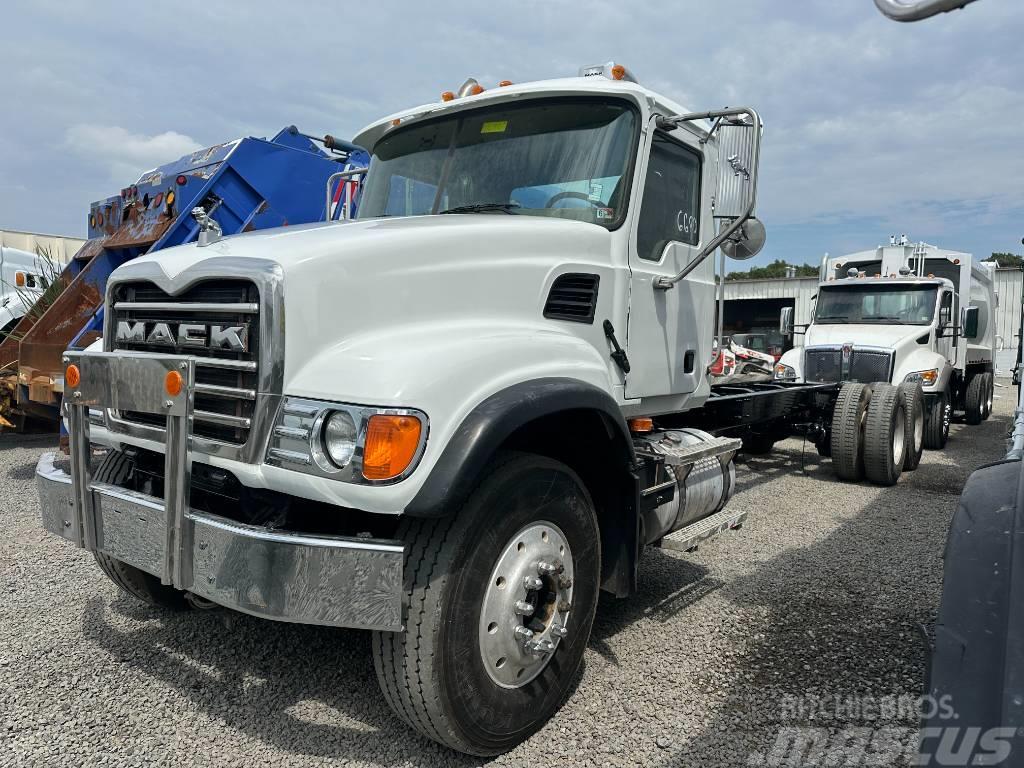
490 424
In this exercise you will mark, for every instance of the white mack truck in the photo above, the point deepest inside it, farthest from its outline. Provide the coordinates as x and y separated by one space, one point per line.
453 420
904 313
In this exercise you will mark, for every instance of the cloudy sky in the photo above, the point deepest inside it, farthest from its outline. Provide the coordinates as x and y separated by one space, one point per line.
872 127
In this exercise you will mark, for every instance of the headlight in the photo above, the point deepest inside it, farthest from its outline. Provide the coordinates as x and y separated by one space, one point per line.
785 372
339 438
351 443
925 377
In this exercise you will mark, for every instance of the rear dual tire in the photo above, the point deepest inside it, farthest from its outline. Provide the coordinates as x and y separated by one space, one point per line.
877 431
936 428
848 431
976 399
885 435
914 408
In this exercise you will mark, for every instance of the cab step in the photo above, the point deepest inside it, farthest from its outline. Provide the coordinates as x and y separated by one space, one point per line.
693 534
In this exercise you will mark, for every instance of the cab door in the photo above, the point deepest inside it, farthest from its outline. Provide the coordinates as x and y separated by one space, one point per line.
947 335
669 339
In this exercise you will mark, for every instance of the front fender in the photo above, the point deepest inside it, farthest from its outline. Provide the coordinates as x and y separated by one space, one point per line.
447 370
923 359
794 358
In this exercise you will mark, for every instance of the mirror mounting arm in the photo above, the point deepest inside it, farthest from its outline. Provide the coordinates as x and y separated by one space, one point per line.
735 225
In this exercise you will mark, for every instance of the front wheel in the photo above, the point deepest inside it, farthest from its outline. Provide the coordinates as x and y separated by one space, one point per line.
501 597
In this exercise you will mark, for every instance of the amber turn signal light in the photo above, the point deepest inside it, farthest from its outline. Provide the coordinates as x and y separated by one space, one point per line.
391 444
641 424
174 382
72 376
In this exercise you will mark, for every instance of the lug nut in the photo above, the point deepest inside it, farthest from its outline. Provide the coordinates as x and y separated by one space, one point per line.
532 582
549 569
523 608
539 647
565 606
565 582
523 633
559 631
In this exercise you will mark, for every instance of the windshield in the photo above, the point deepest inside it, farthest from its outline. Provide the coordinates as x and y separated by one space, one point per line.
566 158
873 303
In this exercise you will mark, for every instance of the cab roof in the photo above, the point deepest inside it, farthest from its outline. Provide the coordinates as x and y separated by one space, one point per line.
566 86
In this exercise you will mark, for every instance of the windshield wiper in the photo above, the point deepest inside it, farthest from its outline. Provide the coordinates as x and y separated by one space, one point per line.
833 318
887 318
483 208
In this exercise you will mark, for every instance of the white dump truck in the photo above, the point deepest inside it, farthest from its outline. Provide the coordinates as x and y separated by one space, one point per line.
904 313
23 278
455 419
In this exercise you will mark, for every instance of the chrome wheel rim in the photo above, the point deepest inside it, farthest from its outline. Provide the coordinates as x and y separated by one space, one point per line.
899 439
919 430
525 610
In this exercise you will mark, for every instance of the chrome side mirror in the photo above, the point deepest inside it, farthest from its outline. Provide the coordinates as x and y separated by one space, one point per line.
747 241
786 321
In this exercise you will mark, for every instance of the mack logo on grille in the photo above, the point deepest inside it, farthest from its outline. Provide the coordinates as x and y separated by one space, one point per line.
234 338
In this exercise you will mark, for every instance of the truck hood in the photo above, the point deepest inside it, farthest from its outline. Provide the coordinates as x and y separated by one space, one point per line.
367 292
407 241
868 335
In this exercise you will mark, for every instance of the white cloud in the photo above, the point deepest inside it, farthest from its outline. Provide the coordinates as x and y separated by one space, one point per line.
126 155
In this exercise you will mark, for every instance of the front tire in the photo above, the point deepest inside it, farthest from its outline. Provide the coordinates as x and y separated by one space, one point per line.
461 673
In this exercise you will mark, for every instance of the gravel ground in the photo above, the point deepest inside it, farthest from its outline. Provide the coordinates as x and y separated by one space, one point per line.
818 596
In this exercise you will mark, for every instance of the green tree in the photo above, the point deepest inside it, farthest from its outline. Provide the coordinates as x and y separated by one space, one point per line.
1008 259
776 269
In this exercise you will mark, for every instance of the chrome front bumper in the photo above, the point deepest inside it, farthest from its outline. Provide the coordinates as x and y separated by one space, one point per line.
335 581
283 575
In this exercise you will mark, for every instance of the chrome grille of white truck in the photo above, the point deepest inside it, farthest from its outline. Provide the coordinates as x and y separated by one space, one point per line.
226 375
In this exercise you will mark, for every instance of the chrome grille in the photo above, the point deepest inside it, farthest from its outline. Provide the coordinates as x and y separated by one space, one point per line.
226 381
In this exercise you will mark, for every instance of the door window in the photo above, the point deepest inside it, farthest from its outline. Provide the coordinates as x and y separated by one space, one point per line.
946 309
671 203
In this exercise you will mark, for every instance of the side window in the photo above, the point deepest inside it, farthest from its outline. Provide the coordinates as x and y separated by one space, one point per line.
946 309
671 202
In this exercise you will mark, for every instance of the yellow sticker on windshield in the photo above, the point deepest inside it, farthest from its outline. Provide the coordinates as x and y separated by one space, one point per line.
494 126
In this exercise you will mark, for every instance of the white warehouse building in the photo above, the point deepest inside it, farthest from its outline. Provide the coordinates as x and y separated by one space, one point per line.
754 305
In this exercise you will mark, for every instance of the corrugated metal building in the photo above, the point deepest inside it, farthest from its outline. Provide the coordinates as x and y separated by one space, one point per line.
753 305
60 248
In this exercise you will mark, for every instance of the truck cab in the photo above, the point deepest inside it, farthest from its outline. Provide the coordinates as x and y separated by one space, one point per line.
434 421
23 278
904 313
